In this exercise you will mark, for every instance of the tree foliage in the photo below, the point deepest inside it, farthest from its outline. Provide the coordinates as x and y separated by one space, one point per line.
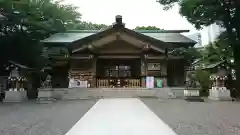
26 24
218 51
225 13
89 26
190 54
147 28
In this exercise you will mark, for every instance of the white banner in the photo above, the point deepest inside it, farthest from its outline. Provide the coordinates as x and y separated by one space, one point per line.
149 82
76 83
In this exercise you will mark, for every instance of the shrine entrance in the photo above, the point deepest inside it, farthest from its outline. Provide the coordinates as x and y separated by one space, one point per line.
118 73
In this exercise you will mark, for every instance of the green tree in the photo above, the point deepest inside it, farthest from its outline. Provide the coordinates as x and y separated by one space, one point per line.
88 26
190 54
27 24
217 51
225 13
147 28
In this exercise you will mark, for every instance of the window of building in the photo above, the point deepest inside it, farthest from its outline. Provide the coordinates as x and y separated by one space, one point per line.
154 66
118 71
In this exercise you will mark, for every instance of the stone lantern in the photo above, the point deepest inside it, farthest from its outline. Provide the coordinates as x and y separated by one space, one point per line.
218 90
17 82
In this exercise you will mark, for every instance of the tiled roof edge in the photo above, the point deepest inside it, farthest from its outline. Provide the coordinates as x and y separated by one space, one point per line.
140 31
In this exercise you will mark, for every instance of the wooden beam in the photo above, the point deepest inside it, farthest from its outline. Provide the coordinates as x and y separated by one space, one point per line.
80 48
163 57
82 57
118 56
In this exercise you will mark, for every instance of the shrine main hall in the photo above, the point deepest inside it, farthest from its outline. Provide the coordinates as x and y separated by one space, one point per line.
117 57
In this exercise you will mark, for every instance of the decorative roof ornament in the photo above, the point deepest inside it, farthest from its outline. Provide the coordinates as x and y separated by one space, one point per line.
146 56
90 46
90 56
118 21
146 47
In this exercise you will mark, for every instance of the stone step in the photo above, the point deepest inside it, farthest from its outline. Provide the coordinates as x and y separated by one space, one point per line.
79 93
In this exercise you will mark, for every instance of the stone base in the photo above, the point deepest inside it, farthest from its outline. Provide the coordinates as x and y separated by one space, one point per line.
220 94
192 95
194 99
45 100
15 96
191 92
45 95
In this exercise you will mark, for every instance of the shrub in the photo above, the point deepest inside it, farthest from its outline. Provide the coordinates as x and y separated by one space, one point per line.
203 77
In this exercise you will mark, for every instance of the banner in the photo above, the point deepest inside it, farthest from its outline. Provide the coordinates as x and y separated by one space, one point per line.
76 83
149 82
159 83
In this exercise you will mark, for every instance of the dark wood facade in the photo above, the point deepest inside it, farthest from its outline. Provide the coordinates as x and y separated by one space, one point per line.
127 70
119 57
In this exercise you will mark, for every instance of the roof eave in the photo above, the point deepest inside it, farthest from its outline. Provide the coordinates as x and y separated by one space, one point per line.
55 43
161 31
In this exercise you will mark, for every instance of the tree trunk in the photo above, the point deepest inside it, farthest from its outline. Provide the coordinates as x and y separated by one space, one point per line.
236 56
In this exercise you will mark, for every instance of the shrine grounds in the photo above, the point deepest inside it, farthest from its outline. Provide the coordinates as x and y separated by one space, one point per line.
185 118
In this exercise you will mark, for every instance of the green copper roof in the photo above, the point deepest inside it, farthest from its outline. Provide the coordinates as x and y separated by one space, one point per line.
213 65
65 37
171 36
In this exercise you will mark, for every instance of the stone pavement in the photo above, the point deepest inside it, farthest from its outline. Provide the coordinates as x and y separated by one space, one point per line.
41 119
186 118
198 118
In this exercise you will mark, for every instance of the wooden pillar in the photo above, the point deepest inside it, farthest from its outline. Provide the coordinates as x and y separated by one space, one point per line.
18 85
94 79
144 69
166 65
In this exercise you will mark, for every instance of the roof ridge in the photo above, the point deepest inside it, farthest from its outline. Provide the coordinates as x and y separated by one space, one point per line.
161 31
140 31
83 31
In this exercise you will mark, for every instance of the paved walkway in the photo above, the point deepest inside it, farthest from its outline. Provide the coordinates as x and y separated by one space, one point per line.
123 116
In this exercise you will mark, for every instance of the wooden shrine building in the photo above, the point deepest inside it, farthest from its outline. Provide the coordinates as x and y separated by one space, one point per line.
117 56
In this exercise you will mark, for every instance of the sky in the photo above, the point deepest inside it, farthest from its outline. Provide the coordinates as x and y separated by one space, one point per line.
134 13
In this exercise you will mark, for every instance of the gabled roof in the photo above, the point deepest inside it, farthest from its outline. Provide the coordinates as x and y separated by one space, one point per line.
158 39
214 65
19 65
168 36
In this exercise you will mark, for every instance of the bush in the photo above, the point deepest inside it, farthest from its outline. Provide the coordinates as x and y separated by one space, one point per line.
203 77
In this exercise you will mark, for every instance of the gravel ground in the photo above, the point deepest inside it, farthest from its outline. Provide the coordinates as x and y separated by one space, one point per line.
41 119
198 118
185 118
